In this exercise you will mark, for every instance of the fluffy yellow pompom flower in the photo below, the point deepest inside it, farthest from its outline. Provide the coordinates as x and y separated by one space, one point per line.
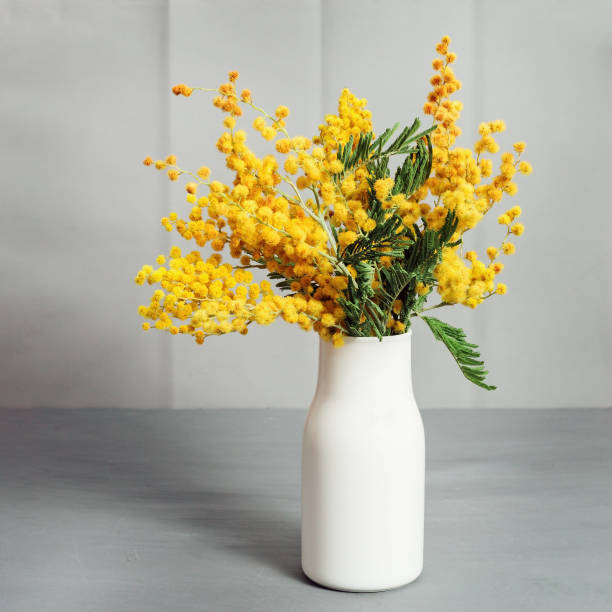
203 172
511 188
497 126
346 238
282 112
422 289
492 252
514 212
328 320
382 188
268 132
337 339
517 229
486 167
453 277
484 129
501 289
368 225
229 122
291 165
182 89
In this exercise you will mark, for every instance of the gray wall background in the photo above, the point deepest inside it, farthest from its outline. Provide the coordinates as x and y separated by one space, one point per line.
86 95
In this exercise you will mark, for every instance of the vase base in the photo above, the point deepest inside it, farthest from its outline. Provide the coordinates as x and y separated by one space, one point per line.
348 588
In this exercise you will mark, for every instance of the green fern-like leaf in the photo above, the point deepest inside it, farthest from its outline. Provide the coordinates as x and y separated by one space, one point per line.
360 304
383 240
465 354
409 142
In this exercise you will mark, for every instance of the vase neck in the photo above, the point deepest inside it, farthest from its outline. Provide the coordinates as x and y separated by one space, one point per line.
366 364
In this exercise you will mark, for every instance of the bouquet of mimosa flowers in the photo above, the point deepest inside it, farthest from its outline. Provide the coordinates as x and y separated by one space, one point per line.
350 248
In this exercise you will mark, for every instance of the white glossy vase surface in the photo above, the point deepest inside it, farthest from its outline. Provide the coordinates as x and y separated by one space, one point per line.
363 468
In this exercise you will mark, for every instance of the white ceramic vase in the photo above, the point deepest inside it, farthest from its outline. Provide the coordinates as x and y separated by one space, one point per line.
363 468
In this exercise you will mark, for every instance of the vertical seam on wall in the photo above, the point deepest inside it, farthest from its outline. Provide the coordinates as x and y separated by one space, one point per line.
479 91
166 374
321 57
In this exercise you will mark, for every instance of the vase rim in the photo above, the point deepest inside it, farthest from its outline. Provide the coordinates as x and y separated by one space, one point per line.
372 339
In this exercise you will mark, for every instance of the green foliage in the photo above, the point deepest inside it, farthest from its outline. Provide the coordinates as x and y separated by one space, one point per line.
465 354
414 172
414 251
383 240
415 145
352 156
368 310
361 305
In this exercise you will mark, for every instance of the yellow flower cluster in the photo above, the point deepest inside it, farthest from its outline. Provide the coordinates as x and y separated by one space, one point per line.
265 220
353 119
210 298
457 183
294 217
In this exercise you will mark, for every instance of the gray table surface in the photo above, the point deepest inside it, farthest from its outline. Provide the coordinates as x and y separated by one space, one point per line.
120 510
